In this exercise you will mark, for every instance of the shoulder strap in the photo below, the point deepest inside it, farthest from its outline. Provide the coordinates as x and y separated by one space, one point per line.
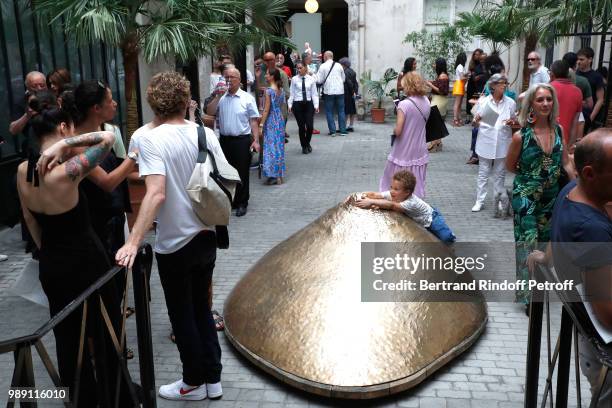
202 148
328 72
420 111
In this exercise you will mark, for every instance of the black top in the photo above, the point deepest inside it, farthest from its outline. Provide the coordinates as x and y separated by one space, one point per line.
351 86
480 78
596 81
29 143
69 247
102 205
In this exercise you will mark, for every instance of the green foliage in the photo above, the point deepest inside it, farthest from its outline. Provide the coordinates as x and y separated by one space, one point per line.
498 35
446 43
378 88
501 23
184 29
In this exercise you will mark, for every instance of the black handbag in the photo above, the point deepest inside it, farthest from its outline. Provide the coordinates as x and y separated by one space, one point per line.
435 128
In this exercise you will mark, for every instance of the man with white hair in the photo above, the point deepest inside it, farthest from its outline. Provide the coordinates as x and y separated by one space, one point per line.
34 81
538 72
237 117
331 77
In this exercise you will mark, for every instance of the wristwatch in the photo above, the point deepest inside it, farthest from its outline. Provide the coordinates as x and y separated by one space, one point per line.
133 156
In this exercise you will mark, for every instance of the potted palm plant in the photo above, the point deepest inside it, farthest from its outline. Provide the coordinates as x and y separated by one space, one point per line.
378 90
178 29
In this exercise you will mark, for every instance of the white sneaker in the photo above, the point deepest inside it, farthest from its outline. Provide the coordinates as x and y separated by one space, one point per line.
3 258
179 391
214 390
477 207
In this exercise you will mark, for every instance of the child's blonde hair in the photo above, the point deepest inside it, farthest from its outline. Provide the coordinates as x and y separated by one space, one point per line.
406 178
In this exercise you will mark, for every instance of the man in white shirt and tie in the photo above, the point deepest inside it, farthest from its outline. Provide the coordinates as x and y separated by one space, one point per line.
331 77
303 102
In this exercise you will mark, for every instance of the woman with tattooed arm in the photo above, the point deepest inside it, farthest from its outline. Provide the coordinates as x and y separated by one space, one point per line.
71 255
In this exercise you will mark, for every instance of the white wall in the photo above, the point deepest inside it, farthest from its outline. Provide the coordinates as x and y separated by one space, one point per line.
386 24
146 72
306 28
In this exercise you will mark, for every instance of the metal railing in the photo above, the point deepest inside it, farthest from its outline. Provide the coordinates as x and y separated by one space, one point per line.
93 303
575 321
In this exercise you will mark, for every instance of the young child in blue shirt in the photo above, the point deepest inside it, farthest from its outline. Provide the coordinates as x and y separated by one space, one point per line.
401 199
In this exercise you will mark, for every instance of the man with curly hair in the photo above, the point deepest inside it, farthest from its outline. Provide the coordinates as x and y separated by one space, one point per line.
185 248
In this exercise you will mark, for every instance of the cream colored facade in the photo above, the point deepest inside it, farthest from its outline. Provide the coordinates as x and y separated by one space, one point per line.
376 30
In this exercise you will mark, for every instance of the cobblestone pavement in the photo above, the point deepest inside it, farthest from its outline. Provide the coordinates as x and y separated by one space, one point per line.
489 374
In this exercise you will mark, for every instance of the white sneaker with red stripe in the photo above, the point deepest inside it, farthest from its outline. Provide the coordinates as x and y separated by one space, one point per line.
214 390
179 391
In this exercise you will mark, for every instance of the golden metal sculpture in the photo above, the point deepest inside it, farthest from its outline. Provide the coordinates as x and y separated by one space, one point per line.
298 314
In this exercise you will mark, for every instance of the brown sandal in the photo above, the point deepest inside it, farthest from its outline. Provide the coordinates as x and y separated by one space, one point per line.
129 311
219 321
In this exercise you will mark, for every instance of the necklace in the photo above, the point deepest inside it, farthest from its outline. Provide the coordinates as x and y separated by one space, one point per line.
547 160
546 149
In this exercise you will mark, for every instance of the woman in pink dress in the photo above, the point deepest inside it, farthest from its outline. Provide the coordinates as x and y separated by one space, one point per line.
409 151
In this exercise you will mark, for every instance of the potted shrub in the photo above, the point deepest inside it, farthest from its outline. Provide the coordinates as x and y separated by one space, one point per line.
377 89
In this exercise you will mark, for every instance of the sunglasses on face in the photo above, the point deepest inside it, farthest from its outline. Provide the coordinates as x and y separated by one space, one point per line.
532 59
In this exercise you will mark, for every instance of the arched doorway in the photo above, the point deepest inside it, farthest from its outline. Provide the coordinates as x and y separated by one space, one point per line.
327 29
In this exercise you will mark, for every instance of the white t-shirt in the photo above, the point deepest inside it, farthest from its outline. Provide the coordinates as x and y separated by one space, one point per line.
214 80
118 146
172 151
138 135
541 76
415 208
459 72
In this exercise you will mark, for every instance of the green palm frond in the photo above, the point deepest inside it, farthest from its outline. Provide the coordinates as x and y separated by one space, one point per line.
539 18
266 14
86 20
181 28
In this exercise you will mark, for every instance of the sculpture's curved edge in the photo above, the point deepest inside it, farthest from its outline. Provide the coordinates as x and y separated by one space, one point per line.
365 392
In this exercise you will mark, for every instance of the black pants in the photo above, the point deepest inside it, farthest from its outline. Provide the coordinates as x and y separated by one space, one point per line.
237 152
185 277
304 115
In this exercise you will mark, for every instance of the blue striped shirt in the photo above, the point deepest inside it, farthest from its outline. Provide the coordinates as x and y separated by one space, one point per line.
234 113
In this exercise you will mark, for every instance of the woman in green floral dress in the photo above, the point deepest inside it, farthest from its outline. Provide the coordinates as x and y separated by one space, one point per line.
535 155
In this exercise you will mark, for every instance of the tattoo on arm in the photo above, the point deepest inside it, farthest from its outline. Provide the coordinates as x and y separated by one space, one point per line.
86 139
81 165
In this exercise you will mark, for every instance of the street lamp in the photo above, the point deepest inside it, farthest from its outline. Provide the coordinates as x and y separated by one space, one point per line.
311 6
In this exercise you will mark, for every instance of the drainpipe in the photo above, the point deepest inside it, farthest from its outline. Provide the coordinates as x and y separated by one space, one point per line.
361 36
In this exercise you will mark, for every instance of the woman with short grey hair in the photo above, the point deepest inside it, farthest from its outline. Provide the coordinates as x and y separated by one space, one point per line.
494 115
351 89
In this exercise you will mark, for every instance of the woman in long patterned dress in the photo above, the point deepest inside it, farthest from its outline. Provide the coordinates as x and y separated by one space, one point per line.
536 156
273 130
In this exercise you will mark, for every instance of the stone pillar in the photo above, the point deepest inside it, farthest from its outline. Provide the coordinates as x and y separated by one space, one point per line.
146 72
204 70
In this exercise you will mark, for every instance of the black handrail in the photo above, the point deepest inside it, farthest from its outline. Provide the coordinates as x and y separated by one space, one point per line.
23 373
574 320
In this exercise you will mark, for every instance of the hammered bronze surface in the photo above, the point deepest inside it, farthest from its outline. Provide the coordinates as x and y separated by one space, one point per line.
298 314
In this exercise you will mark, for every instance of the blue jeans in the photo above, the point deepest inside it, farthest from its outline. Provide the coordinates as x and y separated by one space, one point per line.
335 102
473 145
439 228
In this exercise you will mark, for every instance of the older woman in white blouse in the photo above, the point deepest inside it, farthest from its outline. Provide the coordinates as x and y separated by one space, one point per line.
494 115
